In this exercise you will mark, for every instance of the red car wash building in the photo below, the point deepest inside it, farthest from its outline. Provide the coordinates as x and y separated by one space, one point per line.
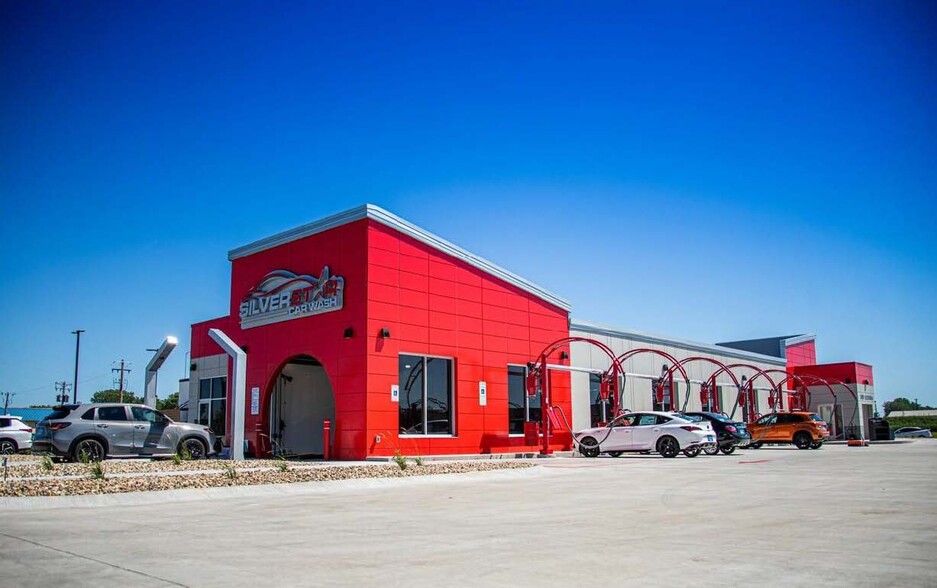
399 339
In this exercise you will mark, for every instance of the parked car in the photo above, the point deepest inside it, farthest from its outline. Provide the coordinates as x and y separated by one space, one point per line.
15 435
663 432
806 430
118 430
911 433
729 434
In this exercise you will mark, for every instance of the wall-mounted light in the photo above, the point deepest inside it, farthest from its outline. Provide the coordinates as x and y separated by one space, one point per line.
349 333
193 366
866 382
384 334
564 355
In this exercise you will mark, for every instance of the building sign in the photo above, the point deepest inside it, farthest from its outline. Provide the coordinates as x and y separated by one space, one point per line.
283 295
255 400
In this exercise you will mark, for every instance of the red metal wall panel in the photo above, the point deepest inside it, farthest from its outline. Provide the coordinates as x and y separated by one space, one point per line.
345 251
451 309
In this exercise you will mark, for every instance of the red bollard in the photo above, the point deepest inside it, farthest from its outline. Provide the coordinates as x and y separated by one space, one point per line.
326 439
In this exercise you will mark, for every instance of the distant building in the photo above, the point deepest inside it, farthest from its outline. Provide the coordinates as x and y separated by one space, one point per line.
912 413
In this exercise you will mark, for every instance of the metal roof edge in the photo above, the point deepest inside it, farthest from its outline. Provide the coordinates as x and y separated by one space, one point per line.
800 339
601 329
306 230
378 214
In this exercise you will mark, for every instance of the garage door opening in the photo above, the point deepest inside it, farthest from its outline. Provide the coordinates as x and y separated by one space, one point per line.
302 399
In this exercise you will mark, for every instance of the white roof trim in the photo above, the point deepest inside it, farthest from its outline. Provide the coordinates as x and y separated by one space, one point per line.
600 329
393 221
800 339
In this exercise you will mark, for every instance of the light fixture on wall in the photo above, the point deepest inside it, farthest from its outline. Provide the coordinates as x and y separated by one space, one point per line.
349 333
564 355
193 366
384 333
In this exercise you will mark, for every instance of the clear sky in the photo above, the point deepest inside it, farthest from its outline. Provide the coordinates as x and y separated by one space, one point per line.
711 171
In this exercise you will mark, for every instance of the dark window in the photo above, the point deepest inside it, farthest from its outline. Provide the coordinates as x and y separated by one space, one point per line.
647 420
521 407
212 403
426 393
5 422
60 413
89 415
625 420
204 389
149 415
667 404
601 410
112 413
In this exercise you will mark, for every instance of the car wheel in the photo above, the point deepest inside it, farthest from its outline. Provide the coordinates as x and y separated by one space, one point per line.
7 447
668 446
91 448
691 451
712 449
816 445
194 447
727 449
615 453
802 440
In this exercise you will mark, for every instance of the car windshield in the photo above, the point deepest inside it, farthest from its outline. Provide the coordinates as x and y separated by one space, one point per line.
719 417
816 417
688 417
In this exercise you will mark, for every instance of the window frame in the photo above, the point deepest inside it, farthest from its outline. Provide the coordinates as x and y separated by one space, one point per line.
211 399
526 401
453 394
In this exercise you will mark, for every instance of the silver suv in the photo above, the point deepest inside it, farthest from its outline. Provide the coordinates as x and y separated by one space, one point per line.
118 430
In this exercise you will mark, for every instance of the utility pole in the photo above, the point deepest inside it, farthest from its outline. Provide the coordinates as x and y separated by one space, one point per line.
77 334
120 388
6 401
62 388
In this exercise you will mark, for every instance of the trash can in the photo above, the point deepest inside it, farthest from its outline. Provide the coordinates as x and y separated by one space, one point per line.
880 430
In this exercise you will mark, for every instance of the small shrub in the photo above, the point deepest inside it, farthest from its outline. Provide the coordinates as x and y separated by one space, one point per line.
418 460
400 460
97 470
84 458
283 465
177 459
46 463
230 472
184 454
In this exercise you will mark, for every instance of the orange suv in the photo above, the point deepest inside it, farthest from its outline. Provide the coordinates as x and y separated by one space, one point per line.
803 429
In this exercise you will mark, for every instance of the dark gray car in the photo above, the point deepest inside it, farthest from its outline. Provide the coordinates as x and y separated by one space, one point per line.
118 430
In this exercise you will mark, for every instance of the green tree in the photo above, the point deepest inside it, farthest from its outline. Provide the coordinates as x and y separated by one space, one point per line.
114 395
171 401
901 403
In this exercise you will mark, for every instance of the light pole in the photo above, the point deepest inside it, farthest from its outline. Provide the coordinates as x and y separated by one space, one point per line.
77 334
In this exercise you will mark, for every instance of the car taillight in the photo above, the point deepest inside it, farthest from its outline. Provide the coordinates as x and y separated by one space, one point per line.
731 429
59 426
690 428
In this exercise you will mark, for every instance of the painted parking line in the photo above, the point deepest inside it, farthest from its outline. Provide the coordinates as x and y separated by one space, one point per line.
757 461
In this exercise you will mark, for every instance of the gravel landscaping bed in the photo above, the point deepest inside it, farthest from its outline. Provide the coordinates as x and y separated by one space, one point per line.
142 466
53 486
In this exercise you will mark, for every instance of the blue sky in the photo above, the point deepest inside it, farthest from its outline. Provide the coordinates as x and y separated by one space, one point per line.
710 171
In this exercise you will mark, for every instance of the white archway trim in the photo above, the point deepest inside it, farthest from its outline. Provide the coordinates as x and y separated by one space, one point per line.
238 387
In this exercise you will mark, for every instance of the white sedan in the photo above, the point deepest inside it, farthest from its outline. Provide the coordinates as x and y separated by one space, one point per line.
663 432
14 434
911 433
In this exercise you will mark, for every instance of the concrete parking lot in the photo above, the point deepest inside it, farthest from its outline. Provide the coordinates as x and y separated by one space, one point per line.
838 516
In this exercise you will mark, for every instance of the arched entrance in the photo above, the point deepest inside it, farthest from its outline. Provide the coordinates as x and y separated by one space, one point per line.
301 399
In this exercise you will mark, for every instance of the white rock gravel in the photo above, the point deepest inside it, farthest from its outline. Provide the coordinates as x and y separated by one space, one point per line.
55 485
